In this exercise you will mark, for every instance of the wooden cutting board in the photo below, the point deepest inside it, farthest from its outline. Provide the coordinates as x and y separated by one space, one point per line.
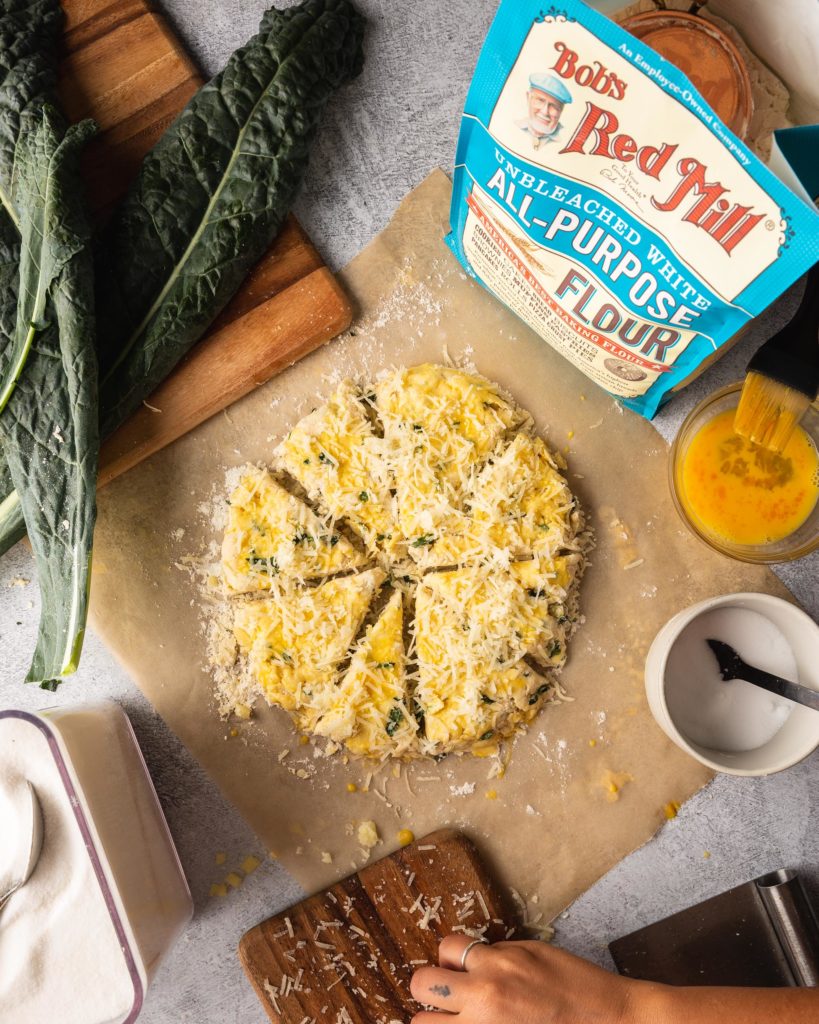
354 947
123 66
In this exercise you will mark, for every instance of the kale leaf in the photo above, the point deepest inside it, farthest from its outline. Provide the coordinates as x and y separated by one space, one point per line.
211 196
49 426
28 41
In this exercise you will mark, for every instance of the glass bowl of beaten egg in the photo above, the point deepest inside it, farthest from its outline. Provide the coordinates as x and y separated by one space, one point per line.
743 500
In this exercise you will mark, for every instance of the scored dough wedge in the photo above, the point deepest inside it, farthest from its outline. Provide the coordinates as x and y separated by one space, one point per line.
295 640
520 501
335 454
370 712
473 628
270 532
440 424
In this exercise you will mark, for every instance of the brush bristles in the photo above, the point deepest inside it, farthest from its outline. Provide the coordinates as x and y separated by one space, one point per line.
768 411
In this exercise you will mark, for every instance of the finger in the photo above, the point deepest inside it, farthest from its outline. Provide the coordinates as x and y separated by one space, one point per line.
452 949
434 986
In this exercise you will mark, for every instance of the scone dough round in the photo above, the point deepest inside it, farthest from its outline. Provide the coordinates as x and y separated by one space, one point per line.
403 577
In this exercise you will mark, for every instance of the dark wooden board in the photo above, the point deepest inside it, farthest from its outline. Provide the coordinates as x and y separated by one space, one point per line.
346 955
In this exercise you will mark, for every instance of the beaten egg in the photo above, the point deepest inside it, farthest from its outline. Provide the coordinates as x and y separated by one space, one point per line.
745 494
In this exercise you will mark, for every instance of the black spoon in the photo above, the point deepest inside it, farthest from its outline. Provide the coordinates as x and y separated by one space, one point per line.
731 666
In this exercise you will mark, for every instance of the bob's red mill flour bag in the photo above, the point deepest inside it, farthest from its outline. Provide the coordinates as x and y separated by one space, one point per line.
599 197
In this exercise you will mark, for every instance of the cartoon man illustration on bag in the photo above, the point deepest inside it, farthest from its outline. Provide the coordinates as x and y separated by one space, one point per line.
546 96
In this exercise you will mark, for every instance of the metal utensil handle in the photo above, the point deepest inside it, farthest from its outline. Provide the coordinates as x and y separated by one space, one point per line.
781 687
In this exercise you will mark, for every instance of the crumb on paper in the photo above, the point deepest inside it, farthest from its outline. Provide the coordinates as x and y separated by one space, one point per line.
613 783
467 789
326 857
250 863
367 835
18 581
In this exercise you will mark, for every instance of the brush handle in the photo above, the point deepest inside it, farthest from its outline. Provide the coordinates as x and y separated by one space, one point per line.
792 355
807 314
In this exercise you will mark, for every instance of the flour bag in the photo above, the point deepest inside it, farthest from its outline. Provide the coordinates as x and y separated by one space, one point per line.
599 197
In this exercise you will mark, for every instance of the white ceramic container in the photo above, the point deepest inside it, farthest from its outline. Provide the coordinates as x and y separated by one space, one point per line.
799 735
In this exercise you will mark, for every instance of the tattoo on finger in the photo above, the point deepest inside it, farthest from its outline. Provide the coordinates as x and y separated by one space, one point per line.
441 990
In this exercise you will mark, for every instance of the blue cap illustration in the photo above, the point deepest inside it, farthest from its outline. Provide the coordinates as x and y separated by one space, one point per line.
551 85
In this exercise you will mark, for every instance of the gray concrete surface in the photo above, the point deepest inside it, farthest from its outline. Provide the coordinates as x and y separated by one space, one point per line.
381 137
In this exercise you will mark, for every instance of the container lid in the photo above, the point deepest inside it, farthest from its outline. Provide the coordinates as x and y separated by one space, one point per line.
703 52
86 835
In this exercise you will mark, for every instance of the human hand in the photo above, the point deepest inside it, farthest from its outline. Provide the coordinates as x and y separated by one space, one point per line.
525 982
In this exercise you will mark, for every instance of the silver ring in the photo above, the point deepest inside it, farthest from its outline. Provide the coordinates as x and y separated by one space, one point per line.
474 942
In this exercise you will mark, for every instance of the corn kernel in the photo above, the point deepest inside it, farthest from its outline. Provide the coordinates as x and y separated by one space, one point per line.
491 794
352 787
303 740
613 787
218 890
250 864
706 854
242 711
487 751
592 743
234 732
220 858
670 809
570 435
405 837
233 880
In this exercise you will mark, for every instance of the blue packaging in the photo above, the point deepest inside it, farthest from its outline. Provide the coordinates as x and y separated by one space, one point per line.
599 197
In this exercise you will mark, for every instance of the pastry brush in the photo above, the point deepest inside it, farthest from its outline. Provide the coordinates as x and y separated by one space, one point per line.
783 376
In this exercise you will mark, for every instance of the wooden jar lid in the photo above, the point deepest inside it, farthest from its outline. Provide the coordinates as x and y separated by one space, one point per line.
705 54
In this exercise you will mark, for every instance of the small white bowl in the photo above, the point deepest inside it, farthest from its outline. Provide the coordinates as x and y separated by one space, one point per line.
799 735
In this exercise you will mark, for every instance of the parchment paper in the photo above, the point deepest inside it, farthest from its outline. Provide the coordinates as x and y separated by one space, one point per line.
553 823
